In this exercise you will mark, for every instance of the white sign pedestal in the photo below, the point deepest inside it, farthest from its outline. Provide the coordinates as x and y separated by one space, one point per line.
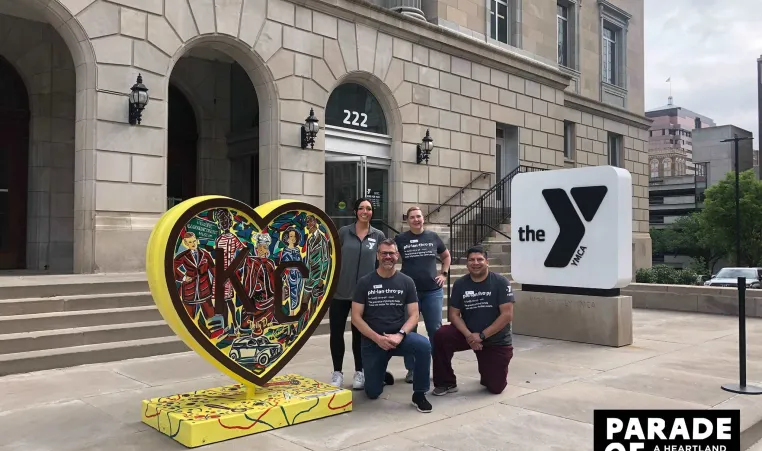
571 251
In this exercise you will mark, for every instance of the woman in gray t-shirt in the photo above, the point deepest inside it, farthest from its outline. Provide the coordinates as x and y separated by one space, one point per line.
359 243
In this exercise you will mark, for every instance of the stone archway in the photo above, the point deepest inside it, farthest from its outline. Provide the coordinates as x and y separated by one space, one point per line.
231 89
380 173
45 47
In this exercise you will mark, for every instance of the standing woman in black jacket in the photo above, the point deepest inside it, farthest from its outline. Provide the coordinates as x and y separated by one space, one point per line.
359 243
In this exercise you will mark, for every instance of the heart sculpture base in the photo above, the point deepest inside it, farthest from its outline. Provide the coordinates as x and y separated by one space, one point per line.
222 413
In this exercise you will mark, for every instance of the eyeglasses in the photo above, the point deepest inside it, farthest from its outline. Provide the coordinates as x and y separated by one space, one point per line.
388 254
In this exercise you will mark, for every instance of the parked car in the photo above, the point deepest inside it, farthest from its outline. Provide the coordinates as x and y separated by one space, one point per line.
728 277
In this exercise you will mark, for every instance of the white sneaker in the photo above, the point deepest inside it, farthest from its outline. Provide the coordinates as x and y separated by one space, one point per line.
359 382
337 378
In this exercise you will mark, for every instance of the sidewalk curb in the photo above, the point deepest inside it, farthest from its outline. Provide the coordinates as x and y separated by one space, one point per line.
751 435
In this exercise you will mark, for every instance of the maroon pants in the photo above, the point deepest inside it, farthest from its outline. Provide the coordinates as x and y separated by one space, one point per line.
493 360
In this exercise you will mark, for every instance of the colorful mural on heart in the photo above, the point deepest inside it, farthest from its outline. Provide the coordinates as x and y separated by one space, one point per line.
244 288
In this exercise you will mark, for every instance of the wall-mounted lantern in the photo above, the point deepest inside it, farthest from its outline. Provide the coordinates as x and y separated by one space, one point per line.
138 100
424 148
310 130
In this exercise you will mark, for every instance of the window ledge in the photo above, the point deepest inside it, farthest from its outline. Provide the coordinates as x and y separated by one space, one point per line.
614 89
570 71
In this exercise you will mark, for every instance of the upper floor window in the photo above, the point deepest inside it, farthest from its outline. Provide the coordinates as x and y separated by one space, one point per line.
654 168
503 21
610 73
614 22
667 167
562 16
566 30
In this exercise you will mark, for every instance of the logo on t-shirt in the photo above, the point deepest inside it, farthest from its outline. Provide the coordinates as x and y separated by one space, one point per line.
371 243
375 287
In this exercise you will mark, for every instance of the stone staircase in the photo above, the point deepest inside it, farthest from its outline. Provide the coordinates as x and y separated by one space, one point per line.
57 321
60 321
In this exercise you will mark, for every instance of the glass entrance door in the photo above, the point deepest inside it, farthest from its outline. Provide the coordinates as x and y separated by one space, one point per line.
344 183
348 178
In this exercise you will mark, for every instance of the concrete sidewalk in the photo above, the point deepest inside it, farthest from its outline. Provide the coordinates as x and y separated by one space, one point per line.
678 361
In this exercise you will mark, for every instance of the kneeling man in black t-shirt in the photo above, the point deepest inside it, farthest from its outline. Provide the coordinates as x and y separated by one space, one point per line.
382 301
480 313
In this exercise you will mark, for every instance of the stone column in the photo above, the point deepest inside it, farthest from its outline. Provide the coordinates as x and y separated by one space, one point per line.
412 8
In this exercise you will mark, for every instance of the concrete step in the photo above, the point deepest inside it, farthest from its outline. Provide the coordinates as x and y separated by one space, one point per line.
46 286
79 336
28 306
84 318
25 362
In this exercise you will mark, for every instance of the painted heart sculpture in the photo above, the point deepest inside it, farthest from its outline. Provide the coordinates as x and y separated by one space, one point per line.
244 288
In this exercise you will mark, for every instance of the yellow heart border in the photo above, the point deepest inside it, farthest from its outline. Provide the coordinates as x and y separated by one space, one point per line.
160 274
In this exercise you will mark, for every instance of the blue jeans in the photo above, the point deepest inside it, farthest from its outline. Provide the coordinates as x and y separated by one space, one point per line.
430 307
375 361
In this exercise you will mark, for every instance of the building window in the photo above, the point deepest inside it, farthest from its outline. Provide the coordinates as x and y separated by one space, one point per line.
615 150
562 16
569 140
503 21
610 74
667 166
567 26
613 25
654 168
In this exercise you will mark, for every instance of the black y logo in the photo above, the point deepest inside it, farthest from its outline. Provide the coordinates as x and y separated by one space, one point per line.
572 229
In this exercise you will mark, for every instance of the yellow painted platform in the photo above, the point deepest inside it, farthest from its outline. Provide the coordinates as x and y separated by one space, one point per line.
214 415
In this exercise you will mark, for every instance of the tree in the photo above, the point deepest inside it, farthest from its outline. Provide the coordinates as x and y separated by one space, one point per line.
686 237
717 221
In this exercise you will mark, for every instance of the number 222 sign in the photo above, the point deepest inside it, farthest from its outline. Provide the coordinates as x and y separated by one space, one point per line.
357 116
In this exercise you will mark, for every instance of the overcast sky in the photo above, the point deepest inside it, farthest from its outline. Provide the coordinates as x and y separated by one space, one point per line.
710 49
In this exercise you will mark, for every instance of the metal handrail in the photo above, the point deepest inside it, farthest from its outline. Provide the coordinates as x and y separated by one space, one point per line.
483 216
460 191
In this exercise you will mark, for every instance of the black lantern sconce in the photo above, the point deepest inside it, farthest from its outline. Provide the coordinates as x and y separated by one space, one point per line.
310 130
424 149
138 100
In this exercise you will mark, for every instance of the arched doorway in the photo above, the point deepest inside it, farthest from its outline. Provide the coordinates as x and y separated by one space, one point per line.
358 155
220 152
182 142
14 156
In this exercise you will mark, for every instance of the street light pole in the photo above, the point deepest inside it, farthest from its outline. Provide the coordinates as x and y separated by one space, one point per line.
735 140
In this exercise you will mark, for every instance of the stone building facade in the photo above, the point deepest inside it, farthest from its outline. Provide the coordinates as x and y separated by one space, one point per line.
232 81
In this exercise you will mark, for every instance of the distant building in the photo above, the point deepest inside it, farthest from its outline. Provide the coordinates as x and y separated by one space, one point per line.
673 196
670 142
720 156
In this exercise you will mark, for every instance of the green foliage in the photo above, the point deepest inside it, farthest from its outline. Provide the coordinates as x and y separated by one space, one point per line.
686 237
709 235
717 220
664 274
644 275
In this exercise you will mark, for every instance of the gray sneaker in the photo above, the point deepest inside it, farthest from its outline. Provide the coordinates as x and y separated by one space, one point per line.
441 391
409 377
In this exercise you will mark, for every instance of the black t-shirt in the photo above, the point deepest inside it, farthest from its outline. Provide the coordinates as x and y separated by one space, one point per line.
479 304
385 300
419 257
